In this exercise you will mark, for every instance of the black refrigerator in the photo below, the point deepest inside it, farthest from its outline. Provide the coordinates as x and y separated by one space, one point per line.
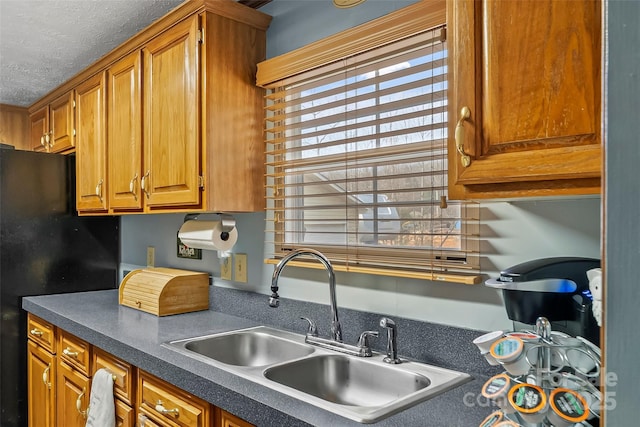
45 248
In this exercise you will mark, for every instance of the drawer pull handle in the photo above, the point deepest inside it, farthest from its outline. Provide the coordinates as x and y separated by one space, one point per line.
161 409
37 332
465 113
132 185
143 183
45 376
67 352
99 188
79 403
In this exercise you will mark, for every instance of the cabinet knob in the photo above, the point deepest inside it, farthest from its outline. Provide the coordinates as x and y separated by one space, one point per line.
42 141
36 332
465 113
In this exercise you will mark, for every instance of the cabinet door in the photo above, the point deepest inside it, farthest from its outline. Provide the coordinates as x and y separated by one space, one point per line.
61 123
171 111
15 127
39 122
41 374
91 151
72 395
124 134
529 74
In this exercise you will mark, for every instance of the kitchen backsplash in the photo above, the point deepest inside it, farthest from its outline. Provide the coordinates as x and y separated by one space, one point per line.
511 233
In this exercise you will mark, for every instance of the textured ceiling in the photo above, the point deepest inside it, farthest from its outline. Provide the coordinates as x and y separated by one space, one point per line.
44 43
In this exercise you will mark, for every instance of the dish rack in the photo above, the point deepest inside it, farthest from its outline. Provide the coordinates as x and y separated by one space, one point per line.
557 360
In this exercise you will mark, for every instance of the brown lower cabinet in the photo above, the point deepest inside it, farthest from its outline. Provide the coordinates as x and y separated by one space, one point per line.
72 396
60 368
41 367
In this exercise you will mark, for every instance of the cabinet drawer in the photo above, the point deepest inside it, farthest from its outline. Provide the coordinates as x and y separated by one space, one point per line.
225 419
163 402
144 421
41 332
75 352
124 373
125 416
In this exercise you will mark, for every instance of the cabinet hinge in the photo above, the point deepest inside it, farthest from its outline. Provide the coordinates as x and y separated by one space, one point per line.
201 35
74 103
201 181
74 132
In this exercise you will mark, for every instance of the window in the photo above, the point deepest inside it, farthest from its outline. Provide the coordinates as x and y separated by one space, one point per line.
357 163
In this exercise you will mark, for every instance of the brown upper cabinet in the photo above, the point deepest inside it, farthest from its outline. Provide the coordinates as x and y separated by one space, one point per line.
180 127
14 127
52 128
524 98
124 133
165 169
172 166
91 150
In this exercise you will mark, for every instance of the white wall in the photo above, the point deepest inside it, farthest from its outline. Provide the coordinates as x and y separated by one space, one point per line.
512 232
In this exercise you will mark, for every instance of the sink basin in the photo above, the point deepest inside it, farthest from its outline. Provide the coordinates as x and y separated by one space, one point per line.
347 381
364 389
259 346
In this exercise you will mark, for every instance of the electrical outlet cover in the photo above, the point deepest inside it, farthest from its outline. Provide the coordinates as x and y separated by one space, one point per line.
240 268
183 251
151 256
226 264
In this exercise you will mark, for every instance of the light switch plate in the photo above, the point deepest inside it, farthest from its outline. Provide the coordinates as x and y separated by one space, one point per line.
240 270
226 267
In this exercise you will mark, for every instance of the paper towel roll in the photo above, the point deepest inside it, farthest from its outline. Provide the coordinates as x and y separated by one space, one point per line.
207 235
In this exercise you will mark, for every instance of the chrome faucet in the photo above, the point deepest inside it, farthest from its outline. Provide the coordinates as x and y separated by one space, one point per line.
336 329
392 347
335 343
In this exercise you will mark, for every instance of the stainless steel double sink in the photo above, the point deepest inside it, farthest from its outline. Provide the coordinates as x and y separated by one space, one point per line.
362 389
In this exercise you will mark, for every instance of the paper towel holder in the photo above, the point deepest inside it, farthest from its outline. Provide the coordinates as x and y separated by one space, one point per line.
227 222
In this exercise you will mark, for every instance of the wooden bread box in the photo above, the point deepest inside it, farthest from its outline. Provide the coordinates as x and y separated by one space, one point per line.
164 291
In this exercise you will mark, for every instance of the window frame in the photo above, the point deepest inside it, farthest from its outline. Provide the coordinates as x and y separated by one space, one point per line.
329 54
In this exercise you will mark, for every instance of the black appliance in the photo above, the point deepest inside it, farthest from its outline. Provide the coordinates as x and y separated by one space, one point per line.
555 288
45 248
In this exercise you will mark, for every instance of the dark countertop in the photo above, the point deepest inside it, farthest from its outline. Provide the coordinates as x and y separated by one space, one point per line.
136 337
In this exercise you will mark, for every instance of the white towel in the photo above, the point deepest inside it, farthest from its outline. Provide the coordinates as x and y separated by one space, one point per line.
102 409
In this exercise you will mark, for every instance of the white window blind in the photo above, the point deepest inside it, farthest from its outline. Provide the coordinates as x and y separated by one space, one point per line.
357 164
